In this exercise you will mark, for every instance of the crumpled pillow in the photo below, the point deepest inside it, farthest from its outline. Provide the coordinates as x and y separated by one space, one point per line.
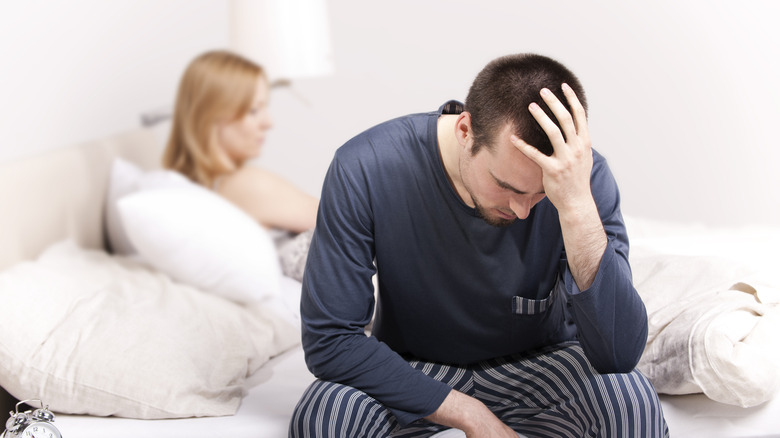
88 333
713 328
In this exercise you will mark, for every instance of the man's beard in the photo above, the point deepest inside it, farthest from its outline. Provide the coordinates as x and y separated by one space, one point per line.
491 220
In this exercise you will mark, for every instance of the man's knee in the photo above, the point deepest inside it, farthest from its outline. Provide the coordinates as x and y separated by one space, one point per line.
635 386
634 403
329 409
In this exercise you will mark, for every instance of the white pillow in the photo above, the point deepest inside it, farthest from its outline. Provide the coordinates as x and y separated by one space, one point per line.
88 333
196 236
127 178
122 181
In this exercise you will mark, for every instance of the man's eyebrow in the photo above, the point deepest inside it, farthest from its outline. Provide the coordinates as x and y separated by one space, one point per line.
507 186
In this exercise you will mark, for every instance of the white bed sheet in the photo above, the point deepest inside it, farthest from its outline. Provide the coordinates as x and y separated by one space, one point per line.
266 410
696 416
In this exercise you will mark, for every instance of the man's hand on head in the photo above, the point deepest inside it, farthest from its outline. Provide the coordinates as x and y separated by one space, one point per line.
566 173
566 181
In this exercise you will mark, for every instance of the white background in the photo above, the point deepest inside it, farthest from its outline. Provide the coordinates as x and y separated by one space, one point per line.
684 95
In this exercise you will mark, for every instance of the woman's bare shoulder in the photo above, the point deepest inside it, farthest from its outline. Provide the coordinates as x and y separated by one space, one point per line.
269 198
249 179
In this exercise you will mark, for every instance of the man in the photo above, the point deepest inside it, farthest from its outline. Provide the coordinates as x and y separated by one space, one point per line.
505 300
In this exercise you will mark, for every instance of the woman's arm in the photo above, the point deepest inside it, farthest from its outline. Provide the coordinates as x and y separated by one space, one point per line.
273 201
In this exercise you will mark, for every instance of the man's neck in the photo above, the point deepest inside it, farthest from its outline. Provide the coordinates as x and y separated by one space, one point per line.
450 151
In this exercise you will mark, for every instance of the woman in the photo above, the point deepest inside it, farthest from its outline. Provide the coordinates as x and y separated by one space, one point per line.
220 122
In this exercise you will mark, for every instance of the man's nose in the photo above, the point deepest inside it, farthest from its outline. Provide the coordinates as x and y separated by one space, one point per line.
521 206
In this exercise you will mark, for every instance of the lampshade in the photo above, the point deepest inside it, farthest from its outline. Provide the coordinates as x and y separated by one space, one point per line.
289 38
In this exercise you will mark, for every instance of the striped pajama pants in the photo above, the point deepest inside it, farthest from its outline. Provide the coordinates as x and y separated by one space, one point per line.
551 392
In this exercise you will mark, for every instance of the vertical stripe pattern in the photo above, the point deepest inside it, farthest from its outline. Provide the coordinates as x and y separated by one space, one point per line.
551 392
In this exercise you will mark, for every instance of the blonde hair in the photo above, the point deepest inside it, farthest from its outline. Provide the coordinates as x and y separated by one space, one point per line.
217 87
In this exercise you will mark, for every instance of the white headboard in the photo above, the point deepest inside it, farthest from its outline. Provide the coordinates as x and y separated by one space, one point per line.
61 194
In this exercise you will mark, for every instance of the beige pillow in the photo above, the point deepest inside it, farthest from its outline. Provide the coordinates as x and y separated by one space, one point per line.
713 326
88 333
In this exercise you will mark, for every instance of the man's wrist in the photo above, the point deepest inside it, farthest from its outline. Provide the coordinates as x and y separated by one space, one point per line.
457 411
585 241
577 209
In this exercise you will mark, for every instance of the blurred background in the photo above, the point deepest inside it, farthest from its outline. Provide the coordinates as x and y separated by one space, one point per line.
684 95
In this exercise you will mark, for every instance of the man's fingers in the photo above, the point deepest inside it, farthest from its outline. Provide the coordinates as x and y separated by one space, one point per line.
549 128
561 114
530 151
580 118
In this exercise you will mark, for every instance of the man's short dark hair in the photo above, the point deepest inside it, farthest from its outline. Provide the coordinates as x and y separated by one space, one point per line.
503 90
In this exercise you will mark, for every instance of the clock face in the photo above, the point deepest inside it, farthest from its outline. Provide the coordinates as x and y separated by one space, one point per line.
41 430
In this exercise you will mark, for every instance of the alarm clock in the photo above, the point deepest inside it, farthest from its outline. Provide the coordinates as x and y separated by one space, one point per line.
31 424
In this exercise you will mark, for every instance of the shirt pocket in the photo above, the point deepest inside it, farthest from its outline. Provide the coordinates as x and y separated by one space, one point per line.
527 306
531 307
536 322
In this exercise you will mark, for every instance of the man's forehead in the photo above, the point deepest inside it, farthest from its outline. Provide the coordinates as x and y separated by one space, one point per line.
510 167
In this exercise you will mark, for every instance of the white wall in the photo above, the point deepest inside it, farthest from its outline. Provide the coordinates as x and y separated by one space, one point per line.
683 94
79 70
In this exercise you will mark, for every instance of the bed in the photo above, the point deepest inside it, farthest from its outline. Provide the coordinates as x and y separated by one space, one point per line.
55 214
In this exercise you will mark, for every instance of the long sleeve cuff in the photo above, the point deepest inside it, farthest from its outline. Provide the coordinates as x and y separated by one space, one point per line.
610 316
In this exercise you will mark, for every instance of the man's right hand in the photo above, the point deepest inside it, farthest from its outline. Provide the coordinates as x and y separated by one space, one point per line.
471 416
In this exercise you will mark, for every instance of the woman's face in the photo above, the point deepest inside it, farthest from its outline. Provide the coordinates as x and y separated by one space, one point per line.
243 138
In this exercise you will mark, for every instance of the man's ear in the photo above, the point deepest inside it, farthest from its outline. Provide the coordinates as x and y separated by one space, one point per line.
463 131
